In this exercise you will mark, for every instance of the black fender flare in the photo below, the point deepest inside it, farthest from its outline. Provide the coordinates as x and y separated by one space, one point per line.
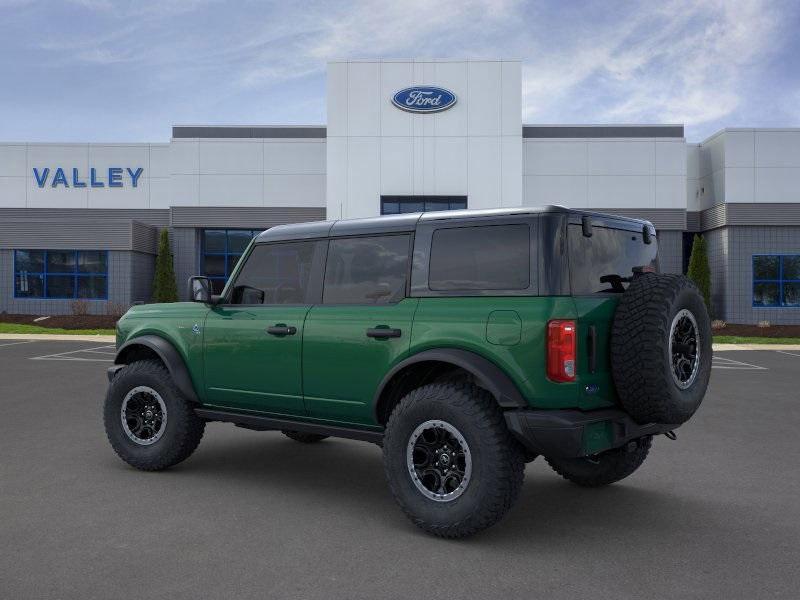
171 358
489 375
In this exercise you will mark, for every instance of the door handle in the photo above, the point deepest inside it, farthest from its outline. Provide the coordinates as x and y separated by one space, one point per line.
383 332
281 329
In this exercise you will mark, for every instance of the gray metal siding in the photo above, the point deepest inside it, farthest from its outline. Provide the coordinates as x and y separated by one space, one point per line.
186 252
602 131
777 214
717 248
65 234
151 216
670 251
661 218
188 131
257 217
144 238
693 222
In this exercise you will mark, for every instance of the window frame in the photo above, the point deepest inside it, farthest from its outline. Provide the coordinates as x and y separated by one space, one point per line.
409 263
225 254
420 273
780 281
75 274
410 199
314 291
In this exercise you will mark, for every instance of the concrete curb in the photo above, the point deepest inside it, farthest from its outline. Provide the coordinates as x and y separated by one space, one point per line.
727 347
56 337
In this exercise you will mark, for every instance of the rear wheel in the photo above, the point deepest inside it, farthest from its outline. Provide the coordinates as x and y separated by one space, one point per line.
305 438
451 464
150 425
604 468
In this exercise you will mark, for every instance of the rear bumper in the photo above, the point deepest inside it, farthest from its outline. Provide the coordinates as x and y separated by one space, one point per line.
575 433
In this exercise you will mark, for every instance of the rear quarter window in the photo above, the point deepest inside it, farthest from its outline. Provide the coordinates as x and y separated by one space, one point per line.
489 257
606 261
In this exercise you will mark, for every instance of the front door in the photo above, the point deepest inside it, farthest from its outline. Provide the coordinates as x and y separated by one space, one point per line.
362 327
253 337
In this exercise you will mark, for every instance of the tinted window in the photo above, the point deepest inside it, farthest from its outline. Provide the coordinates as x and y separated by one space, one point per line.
275 274
603 262
61 274
370 270
392 205
222 248
496 257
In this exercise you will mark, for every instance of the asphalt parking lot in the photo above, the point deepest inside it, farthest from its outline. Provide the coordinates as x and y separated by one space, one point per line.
715 514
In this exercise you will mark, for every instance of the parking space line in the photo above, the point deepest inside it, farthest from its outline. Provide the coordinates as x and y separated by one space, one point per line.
787 353
729 363
66 355
17 343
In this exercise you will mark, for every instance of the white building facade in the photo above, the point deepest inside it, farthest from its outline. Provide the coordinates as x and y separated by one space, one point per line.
80 221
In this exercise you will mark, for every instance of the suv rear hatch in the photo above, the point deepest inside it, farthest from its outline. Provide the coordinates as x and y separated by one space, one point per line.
604 254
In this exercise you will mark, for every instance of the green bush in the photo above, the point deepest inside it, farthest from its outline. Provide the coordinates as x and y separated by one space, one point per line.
699 271
164 287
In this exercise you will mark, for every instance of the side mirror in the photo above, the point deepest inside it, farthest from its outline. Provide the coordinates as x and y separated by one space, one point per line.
200 289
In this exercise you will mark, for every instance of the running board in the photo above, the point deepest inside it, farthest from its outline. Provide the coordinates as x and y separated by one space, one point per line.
262 423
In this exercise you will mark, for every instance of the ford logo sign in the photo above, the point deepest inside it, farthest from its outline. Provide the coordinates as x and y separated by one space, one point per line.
424 99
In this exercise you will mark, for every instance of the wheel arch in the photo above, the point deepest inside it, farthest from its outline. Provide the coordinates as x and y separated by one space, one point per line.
430 364
153 346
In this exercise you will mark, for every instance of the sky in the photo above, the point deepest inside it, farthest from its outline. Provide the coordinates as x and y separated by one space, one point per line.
126 71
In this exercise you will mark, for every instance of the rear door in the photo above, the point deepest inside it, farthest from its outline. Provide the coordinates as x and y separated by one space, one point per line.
253 338
600 268
362 327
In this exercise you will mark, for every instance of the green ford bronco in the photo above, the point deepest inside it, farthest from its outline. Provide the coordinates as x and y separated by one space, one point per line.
464 343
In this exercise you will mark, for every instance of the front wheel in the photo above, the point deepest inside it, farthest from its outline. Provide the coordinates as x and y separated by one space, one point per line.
604 468
451 464
148 422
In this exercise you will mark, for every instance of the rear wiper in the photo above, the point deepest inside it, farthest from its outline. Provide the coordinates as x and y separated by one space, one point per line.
616 282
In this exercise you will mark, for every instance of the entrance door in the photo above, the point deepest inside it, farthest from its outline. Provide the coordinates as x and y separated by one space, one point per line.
362 327
253 338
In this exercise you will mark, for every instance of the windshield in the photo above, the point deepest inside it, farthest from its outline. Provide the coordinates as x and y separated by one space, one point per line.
606 261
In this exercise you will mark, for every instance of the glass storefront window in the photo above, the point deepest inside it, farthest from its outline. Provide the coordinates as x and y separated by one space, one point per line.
61 274
393 205
776 280
221 250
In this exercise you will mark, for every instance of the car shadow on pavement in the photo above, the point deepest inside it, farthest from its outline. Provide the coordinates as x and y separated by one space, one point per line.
549 514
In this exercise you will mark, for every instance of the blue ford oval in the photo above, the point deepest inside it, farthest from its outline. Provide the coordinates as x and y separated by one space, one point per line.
424 99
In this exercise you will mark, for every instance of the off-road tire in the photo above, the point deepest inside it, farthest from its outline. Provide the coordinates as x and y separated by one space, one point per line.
183 430
498 468
604 468
641 363
305 438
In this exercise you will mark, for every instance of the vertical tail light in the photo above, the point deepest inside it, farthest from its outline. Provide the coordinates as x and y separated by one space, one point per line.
561 350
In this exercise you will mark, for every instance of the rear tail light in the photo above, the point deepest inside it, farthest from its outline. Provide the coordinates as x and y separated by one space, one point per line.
561 350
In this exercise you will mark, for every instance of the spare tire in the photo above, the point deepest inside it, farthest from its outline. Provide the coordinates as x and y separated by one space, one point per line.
661 349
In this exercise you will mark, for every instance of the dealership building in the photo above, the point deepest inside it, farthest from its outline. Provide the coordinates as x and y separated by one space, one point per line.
81 221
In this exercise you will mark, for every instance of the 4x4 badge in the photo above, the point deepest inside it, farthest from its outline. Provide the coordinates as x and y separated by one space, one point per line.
196 328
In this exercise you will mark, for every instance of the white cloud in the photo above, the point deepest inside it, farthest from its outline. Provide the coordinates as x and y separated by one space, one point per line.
683 62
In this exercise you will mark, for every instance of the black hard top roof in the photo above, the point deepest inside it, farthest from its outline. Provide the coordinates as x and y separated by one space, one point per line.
408 222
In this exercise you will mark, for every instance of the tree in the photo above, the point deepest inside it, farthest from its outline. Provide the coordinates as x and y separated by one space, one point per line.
164 287
699 271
